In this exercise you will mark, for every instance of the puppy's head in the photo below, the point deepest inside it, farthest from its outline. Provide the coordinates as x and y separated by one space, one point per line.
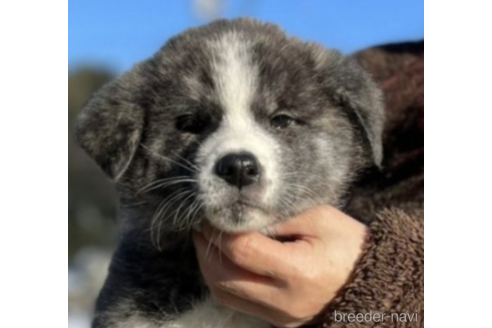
235 123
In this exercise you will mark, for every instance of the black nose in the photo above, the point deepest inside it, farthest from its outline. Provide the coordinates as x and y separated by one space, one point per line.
239 170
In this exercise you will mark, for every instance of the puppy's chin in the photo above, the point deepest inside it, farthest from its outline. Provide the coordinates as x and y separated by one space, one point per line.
241 217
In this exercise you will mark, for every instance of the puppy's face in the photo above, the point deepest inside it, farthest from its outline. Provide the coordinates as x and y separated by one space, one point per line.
235 123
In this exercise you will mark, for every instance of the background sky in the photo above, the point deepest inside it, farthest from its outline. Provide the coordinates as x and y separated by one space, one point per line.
118 33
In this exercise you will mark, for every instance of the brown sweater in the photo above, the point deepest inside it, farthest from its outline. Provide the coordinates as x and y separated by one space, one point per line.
389 278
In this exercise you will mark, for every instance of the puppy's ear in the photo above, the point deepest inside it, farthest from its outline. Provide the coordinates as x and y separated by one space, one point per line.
109 128
356 92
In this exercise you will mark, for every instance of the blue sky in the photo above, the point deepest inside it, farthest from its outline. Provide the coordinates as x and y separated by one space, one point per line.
118 33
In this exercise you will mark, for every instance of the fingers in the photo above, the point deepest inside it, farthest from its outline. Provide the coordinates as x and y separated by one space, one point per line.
259 276
321 222
253 251
218 266
308 224
240 290
220 273
265 256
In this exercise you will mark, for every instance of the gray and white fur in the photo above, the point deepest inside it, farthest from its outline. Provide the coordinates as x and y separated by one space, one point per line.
235 123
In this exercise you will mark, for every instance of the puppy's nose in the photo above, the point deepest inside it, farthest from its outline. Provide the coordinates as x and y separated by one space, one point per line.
239 169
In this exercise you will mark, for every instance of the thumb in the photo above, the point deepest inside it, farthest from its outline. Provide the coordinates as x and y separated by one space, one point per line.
309 224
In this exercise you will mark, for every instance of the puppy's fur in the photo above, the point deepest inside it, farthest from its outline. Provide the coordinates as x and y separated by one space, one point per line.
310 119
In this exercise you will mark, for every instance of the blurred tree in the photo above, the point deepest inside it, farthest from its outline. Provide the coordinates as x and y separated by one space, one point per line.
91 197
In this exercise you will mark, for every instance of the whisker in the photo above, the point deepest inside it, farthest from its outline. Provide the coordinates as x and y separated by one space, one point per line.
168 206
170 183
188 215
167 158
173 197
209 246
193 216
154 218
307 191
187 162
163 180
219 241
183 202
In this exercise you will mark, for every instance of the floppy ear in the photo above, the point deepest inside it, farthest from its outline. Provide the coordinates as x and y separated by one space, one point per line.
354 89
109 128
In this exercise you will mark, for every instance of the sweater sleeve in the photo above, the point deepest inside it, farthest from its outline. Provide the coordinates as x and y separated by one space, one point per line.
387 285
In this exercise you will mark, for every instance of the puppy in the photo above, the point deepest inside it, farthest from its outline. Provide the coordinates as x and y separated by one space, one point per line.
234 123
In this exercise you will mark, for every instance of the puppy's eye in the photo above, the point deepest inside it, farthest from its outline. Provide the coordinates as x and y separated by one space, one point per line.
191 123
281 121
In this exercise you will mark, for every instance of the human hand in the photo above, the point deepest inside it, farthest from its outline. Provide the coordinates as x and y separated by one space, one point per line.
284 283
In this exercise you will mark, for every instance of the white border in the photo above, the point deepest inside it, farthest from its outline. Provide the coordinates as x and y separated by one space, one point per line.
33 163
